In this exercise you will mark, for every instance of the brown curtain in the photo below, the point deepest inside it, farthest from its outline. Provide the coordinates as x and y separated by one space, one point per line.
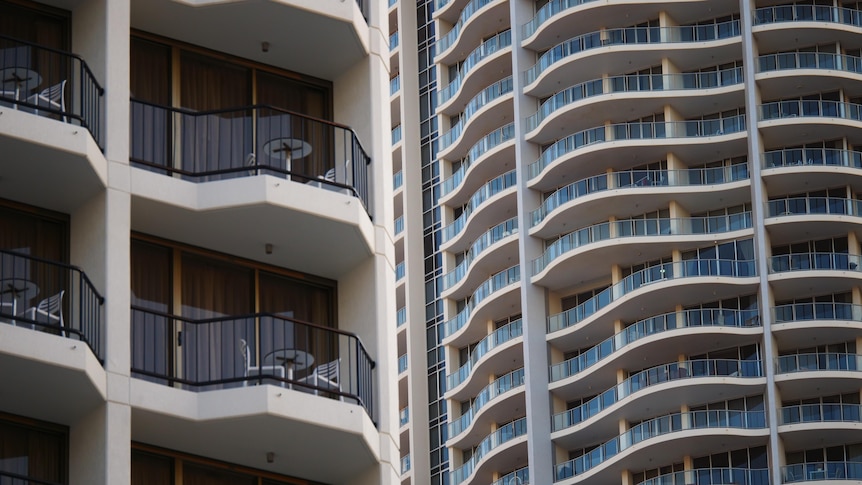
221 140
150 82
152 334
213 288
36 453
149 469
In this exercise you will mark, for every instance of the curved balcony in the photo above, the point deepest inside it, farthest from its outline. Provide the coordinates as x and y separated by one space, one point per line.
502 335
826 271
711 317
794 218
636 185
777 27
638 137
737 476
819 71
484 52
477 19
496 186
485 241
694 268
804 424
650 377
474 167
796 325
511 381
802 375
653 428
819 471
685 44
492 442
809 120
651 236
484 106
492 285
823 167
651 92
519 476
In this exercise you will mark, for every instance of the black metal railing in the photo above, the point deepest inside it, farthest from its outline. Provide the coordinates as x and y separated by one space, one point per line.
237 351
50 82
240 142
50 296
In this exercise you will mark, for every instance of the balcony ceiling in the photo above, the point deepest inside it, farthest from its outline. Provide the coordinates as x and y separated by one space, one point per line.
320 41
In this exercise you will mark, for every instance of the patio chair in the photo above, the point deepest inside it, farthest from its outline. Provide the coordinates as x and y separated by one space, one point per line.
326 376
255 370
51 97
49 310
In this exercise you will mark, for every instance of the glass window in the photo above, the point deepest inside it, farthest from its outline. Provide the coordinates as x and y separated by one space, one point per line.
33 451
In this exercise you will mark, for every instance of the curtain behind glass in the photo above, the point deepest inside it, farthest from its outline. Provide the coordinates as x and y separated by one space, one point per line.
212 288
195 474
222 140
150 82
38 454
152 334
281 92
149 469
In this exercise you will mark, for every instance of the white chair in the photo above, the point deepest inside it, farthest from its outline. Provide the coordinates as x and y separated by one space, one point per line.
51 97
252 370
49 310
326 376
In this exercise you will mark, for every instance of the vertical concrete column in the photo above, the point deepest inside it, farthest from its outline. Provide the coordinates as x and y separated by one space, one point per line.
761 242
540 449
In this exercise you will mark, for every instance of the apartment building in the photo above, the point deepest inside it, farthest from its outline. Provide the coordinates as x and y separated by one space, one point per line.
628 241
196 249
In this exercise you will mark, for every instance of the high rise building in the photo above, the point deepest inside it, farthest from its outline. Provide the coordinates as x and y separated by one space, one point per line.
196 258
628 241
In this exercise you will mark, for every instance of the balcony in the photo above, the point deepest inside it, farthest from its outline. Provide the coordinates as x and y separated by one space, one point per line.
485 241
719 420
820 471
241 351
243 142
498 338
50 332
484 52
498 439
740 476
776 26
500 388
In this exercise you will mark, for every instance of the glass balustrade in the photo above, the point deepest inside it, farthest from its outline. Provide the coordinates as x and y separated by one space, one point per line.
829 361
401 316
393 40
491 285
498 337
396 134
490 189
606 231
636 131
547 11
810 108
504 384
809 60
399 271
397 180
814 261
799 312
405 464
712 476
813 205
489 94
634 83
652 376
821 413
638 178
489 47
821 470
812 156
394 85
658 427
399 225
517 477
404 416
402 363
445 41
631 36
706 317
482 243
486 144
807 13
494 440
691 268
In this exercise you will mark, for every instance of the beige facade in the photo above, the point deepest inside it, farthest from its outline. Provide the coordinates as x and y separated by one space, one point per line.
284 374
639 243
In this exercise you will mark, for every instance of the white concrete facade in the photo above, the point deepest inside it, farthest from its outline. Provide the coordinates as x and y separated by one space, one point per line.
271 219
635 231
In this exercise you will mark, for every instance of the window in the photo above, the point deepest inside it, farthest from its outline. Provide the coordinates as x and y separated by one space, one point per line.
36 450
